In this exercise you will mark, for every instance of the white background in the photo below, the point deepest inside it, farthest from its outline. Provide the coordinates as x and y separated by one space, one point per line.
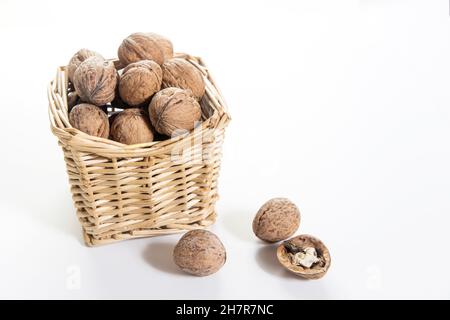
342 106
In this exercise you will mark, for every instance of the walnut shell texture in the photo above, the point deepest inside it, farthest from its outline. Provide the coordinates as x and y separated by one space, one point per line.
276 220
90 119
165 45
131 126
95 81
318 270
143 46
78 58
199 252
182 74
139 82
173 109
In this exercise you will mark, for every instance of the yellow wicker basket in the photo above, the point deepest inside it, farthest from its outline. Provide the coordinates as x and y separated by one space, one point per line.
130 191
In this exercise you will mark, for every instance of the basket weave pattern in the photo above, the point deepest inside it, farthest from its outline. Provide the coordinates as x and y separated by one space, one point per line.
122 192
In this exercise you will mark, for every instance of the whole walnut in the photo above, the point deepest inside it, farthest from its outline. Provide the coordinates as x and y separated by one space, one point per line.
276 220
174 109
131 126
199 252
182 74
139 82
90 119
78 58
165 45
144 46
95 81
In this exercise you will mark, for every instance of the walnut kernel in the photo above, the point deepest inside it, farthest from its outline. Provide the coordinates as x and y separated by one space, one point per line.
305 255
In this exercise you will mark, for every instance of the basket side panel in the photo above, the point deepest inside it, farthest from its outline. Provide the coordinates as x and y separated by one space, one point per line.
124 198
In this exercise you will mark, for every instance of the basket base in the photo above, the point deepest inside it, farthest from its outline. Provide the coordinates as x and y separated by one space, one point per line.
92 241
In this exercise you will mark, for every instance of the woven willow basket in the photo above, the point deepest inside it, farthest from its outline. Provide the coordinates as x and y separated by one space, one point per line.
130 191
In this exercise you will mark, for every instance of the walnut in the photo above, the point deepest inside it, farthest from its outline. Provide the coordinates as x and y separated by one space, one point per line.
139 82
173 109
305 255
165 45
77 59
144 46
131 126
95 81
182 74
199 252
278 219
90 119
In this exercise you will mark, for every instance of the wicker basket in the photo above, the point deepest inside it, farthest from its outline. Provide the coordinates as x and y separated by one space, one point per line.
130 191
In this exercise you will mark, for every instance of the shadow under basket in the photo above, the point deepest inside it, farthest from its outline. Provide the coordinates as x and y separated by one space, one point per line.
130 191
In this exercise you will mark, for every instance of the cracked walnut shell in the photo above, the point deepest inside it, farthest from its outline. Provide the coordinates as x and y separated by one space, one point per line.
173 109
305 256
95 81
131 126
182 74
139 82
199 252
277 220
144 46
77 59
90 119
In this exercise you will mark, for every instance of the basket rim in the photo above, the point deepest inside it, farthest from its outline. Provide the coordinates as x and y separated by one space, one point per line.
63 130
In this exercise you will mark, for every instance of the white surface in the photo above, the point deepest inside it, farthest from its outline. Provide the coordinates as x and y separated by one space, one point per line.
342 106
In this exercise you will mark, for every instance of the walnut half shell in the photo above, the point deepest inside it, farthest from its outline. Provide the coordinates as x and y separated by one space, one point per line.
289 250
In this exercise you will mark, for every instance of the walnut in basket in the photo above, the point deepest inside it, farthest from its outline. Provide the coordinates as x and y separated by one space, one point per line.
95 81
182 74
77 59
139 82
144 46
131 126
90 119
164 43
305 256
199 252
276 220
174 109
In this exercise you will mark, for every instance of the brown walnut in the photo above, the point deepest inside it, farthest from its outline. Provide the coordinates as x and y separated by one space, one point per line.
199 252
182 74
77 59
90 119
144 46
165 45
276 220
139 82
131 126
173 109
95 81
305 256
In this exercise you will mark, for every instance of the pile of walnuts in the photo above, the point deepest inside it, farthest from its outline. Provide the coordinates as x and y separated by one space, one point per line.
159 94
